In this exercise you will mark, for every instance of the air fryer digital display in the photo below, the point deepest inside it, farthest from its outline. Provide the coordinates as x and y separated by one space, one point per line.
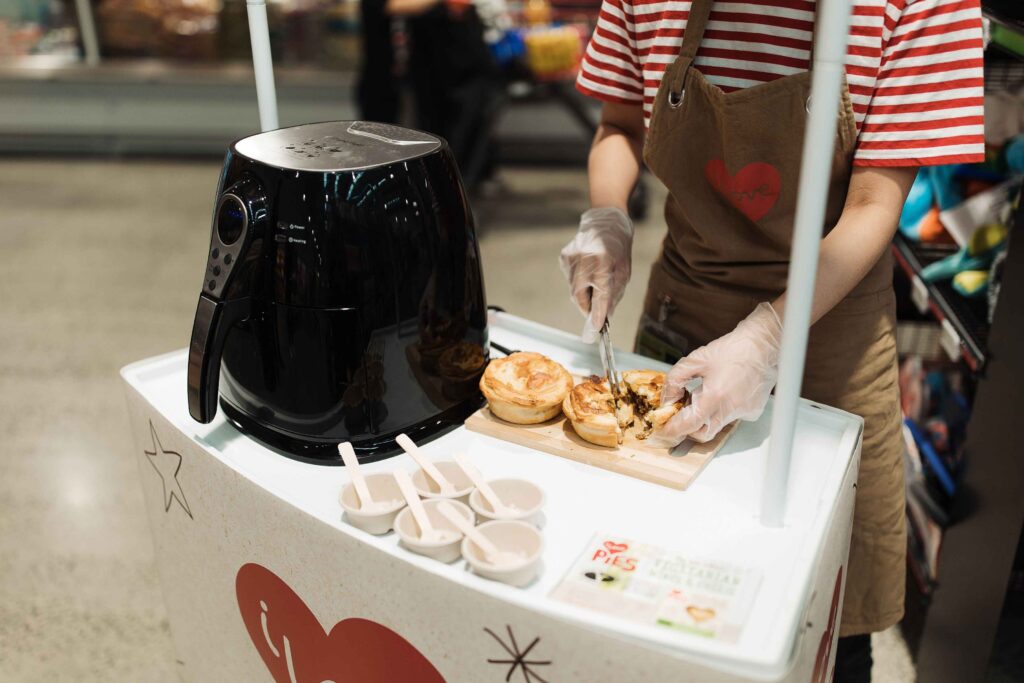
231 219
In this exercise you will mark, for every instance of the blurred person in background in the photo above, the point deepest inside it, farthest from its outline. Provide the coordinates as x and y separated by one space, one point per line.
454 79
377 90
714 97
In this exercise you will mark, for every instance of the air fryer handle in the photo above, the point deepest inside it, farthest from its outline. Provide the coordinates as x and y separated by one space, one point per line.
213 321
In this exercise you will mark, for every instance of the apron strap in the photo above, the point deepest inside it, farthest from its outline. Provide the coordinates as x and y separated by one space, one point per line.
693 33
696 22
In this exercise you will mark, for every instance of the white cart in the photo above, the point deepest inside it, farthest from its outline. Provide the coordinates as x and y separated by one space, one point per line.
264 580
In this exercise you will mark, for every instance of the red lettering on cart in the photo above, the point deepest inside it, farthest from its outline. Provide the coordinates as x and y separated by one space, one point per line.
823 658
614 547
623 562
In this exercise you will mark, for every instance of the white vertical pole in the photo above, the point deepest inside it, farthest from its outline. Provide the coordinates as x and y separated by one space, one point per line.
832 31
87 26
263 63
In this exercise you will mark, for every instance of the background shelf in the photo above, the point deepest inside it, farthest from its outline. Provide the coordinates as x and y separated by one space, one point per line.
964 321
1007 24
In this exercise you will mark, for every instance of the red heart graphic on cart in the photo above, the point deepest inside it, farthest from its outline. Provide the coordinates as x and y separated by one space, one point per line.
295 647
820 674
614 547
753 190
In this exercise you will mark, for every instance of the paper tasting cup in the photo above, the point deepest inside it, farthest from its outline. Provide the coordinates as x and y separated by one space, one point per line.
380 519
525 498
445 551
518 539
428 488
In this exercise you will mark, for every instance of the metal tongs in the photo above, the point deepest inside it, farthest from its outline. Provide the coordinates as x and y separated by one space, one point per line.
608 361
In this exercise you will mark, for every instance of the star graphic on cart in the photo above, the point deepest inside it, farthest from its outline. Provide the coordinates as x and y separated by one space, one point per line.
517 659
167 464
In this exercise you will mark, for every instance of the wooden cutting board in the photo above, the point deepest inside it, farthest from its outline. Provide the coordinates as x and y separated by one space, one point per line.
634 458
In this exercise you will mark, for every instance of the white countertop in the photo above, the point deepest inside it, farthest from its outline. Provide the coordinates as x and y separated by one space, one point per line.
716 518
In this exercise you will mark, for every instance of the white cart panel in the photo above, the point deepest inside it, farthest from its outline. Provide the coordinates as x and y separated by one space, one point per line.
320 600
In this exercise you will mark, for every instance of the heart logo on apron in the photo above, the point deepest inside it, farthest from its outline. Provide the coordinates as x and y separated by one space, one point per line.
753 190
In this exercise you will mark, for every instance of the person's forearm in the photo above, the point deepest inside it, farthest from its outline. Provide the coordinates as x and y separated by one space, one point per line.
846 256
859 239
616 155
613 167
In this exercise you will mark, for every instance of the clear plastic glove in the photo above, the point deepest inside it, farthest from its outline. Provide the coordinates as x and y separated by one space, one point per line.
597 263
738 372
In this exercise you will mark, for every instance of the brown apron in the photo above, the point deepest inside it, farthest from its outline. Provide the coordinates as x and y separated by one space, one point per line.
731 163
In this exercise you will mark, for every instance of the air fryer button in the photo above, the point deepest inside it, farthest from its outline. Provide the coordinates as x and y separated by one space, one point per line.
215 253
216 271
227 259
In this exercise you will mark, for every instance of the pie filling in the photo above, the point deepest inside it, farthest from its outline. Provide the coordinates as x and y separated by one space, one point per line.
637 401
642 407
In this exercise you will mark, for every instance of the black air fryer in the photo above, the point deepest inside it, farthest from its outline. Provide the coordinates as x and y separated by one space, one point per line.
343 298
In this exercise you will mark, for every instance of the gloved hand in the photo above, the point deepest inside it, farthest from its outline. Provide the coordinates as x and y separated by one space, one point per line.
738 370
597 264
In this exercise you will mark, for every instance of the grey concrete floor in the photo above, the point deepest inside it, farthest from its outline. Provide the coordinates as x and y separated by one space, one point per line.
100 265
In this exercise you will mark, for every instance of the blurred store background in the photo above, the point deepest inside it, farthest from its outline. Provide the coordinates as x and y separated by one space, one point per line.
114 116
174 77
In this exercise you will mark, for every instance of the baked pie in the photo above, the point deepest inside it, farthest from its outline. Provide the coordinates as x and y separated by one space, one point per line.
525 388
590 408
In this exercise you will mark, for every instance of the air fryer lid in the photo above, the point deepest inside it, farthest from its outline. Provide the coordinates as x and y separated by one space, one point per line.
337 146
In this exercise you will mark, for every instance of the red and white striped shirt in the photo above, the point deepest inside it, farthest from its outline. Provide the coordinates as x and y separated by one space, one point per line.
913 67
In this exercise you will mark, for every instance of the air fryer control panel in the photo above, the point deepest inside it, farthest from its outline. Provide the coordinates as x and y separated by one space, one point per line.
288 232
238 208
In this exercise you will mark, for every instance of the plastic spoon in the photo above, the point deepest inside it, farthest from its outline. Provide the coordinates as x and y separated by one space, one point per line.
428 534
366 501
490 550
499 558
413 450
500 509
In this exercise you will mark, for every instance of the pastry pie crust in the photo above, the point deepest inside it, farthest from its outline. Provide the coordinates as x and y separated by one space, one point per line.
525 388
591 408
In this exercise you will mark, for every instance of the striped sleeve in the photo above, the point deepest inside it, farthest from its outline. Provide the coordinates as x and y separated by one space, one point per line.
611 69
927 104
